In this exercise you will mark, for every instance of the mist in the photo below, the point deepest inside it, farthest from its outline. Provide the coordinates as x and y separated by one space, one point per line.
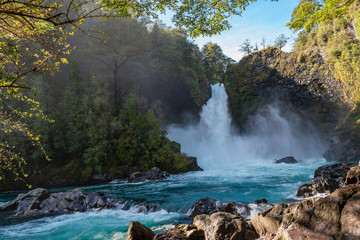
272 133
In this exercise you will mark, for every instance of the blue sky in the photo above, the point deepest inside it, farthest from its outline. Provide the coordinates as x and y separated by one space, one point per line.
261 19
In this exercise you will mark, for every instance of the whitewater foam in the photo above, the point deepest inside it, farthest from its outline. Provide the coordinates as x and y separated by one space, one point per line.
272 133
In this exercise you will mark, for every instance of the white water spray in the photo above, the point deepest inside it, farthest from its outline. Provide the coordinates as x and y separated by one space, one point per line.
271 136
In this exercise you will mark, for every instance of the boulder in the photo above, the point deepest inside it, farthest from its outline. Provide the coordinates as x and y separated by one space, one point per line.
182 232
204 206
209 206
289 160
39 203
193 165
353 176
261 201
138 231
335 216
305 190
152 174
221 226
326 179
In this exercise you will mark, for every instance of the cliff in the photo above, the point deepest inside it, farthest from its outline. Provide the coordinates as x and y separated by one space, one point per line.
300 80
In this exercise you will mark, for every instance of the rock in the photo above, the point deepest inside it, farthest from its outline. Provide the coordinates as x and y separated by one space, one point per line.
182 232
353 176
210 206
350 218
326 179
261 201
39 203
138 231
152 174
193 165
289 160
305 190
221 226
204 206
335 216
341 149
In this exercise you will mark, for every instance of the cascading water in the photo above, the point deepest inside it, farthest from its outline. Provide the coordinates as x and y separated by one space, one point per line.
237 168
270 136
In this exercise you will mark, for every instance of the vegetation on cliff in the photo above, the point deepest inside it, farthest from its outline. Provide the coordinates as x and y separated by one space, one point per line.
299 80
332 29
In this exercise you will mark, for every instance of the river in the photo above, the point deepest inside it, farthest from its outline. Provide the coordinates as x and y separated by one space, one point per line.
236 167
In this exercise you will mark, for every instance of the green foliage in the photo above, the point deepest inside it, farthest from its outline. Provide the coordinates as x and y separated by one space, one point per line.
215 62
280 41
310 13
246 47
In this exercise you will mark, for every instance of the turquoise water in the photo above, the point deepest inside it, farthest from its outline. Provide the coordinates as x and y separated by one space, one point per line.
275 182
236 168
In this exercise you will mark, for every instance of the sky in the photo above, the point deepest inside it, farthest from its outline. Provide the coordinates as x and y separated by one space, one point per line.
262 19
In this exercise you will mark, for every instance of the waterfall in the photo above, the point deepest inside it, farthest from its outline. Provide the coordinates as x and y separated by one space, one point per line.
272 134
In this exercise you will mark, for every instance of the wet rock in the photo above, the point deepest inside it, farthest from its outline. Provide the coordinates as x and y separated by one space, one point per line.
39 202
334 216
305 190
182 232
138 231
193 165
261 201
152 174
289 160
341 149
210 206
204 206
353 176
221 226
326 179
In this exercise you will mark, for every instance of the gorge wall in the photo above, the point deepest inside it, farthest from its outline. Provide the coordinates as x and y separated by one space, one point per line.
301 81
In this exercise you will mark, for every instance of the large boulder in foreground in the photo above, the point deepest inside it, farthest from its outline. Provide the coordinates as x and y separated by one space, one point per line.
221 226
353 175
324 218
138 231
326 179
182 232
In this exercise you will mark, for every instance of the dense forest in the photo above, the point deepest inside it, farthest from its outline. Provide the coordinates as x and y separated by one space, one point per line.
104 113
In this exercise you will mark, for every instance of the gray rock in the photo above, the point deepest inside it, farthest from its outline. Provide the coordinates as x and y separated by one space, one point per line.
221 226
353 176
209 206
152 174
182 232
326 179
332 217
289 160
138 231
38 203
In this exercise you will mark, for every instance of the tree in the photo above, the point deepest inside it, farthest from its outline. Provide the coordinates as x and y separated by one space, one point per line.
263 42
246 47
215 62
124 41
280 41
33 37
309 13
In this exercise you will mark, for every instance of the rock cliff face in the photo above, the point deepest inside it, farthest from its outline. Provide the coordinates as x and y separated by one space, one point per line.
300 80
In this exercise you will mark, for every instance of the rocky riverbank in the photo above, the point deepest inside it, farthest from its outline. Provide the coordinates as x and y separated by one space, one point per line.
332 217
